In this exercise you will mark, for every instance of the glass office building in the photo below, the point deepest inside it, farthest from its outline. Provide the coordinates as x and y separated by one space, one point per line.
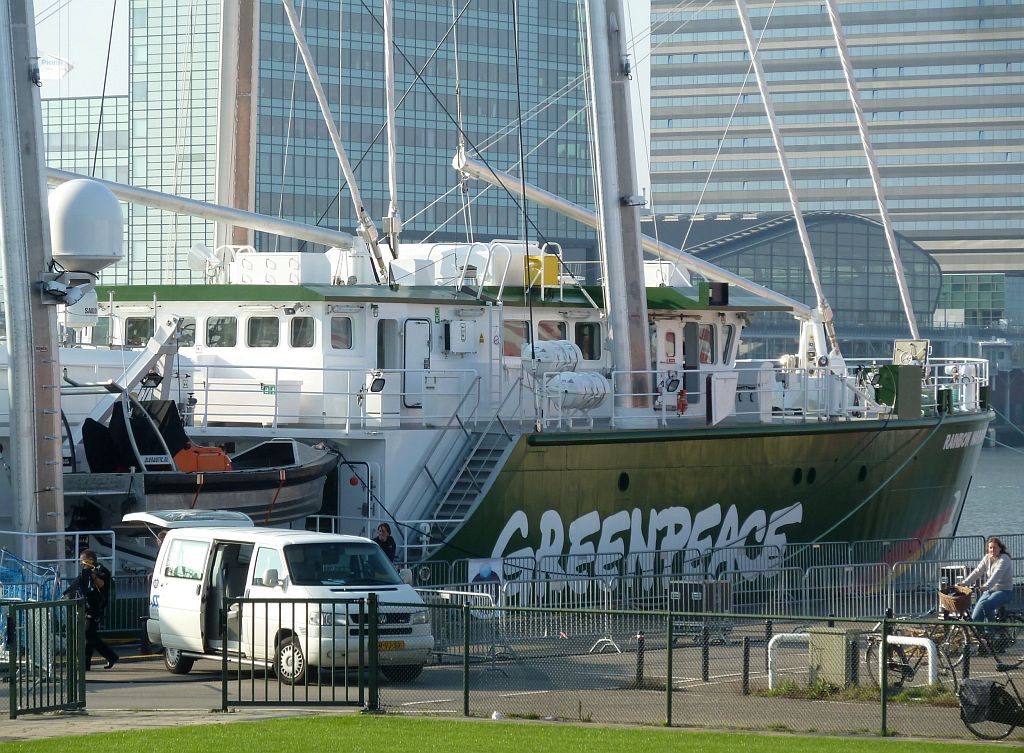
174 51
942 87
297 172
856 274
89 136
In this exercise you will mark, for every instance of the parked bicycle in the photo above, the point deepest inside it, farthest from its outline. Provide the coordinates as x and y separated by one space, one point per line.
903 660
994 640
992 709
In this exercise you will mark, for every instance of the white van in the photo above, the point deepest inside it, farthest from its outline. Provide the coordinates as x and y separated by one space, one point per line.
206 556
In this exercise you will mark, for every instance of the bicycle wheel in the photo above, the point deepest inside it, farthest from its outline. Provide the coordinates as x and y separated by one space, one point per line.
1008 633
954 645
989 729
897 669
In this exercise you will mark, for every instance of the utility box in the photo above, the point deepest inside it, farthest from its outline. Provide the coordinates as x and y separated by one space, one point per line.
900 387
830 656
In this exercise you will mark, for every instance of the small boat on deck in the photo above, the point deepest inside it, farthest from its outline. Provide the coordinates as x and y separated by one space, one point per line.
143 460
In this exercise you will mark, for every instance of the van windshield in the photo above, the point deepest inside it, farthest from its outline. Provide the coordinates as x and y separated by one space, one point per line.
339 563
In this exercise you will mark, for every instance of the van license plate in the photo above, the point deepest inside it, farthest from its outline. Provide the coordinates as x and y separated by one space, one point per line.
390 645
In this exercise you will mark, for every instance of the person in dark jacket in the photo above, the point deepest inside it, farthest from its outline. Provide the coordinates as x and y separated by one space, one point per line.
93 586
385 542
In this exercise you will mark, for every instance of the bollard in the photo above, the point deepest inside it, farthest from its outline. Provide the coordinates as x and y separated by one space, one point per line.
746 665
705 661
767 640
640 640
854 659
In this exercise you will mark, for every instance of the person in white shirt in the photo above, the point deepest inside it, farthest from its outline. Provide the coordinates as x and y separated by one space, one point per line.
995 578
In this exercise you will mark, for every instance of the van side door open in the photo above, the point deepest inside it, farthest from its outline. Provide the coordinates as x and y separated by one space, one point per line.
178 593
228 577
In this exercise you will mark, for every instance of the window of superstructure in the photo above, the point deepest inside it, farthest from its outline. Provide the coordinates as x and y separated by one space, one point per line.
516 334
707 343
186 333
341 333
730 340
550 330
301 333
221 332
263 332
588 338
137 331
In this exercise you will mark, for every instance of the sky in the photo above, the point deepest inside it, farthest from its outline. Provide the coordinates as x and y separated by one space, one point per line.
78 32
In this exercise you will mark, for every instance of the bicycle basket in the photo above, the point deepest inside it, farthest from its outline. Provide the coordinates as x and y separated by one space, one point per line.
975 700
955 600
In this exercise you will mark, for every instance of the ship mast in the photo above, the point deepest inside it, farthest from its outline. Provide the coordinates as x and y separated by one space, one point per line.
33 371
367 230
869 155
824 309
618 202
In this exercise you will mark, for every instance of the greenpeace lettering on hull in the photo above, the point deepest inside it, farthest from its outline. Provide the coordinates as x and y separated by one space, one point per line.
597 546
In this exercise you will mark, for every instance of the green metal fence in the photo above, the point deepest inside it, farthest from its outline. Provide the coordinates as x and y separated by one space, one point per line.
282 652
43 645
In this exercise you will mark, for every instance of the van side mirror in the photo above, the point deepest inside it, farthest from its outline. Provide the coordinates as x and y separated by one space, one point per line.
271 579
406 575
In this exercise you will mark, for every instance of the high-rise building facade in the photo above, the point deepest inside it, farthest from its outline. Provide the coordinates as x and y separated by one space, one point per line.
297 172
942 87
173 54
89 136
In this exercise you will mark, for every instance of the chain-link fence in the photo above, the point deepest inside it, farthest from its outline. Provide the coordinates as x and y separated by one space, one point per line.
713 670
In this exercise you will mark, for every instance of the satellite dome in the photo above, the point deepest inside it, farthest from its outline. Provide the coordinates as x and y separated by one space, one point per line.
86 226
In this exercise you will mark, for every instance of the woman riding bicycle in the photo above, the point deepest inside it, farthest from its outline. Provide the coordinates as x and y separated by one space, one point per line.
995 578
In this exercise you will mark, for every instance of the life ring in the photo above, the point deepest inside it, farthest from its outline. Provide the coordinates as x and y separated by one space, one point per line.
681 402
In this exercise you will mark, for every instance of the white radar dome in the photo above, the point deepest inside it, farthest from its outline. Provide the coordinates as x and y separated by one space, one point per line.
86 226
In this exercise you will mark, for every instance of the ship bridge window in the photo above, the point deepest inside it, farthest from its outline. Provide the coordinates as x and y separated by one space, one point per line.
341 333
101 331
550 330
707 343
137 331
263 332
588 338
185 337
730 341
221 332
301 335
516 334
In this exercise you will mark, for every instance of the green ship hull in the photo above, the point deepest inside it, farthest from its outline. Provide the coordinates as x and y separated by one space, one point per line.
624 492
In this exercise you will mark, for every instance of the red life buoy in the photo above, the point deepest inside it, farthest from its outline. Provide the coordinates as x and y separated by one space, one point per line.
681 402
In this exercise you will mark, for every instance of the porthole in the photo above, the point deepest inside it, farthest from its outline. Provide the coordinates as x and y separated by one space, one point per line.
798 476
862 473
811 475
623 481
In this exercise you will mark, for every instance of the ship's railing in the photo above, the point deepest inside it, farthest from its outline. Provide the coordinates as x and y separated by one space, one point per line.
318 398
766 392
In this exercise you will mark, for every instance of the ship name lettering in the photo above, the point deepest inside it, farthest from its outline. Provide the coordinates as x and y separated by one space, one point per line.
594 546
963 439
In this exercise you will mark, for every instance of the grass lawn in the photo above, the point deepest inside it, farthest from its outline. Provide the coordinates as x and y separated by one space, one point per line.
381 734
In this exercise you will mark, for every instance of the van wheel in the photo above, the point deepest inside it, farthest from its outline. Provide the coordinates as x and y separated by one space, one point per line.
176 663
290 663
402 672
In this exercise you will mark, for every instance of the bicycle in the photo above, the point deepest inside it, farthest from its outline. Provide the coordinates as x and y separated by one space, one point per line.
1002 634
901 660
992 709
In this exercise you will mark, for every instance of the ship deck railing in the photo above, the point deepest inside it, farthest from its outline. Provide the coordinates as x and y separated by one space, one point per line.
311 400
